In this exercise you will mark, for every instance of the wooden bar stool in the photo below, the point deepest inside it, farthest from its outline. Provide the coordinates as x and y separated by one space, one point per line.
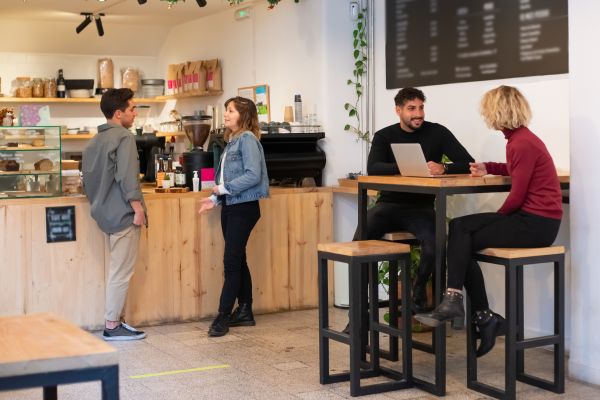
358 255
513 260
392 353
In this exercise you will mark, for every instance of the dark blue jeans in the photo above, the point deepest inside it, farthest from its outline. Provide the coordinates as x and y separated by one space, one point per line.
237 222
391 217
472 233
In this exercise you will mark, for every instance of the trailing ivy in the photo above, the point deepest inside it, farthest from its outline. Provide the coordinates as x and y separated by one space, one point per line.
360 54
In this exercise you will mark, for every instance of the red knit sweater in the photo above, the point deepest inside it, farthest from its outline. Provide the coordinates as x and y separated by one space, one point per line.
535 188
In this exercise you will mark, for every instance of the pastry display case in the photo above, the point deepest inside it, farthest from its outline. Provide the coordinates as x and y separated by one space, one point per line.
30 161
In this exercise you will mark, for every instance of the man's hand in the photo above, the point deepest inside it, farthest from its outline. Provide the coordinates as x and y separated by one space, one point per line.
206 204
477 169
139 218
435 168
215 190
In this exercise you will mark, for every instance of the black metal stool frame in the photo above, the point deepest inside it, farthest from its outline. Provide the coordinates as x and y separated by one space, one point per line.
356 340
516 343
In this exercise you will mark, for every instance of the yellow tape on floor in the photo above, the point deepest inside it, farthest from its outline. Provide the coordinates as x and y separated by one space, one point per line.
180 371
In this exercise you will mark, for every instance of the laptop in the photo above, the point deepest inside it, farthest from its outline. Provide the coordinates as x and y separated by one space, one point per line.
411 161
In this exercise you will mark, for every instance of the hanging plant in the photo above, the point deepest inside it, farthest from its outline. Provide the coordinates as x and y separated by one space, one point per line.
272 3
360 53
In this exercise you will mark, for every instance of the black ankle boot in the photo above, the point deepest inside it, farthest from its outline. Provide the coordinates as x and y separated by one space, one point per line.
220 326
489 325
242 316
451 307
419 297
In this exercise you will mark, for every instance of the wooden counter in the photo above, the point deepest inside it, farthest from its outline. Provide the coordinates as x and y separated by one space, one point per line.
179 272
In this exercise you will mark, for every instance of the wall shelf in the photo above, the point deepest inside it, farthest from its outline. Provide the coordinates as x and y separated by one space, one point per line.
82 136
193 93
69 100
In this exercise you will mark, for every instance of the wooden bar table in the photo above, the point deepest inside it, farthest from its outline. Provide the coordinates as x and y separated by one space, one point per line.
441 187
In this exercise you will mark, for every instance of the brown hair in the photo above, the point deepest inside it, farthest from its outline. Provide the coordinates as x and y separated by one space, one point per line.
248 117
505 108
408 94
115 99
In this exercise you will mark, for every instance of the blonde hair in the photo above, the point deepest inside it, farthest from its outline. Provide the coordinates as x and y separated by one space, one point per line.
505 108
248 117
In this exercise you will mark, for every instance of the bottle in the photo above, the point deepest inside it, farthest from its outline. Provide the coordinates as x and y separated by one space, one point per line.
160 170
196 182
297 108
60 85
170 171
179 177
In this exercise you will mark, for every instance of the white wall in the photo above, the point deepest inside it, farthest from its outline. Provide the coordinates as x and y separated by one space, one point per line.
302 48
585 191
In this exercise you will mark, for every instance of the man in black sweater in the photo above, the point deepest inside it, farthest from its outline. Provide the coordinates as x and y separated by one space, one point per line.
412 212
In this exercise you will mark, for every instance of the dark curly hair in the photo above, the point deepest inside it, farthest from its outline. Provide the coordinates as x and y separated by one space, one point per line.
407 94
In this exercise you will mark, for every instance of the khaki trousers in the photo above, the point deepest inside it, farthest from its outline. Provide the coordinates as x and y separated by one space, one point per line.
123 253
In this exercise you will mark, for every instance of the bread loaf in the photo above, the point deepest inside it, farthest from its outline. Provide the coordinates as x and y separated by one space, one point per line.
37 143
9 165
43 165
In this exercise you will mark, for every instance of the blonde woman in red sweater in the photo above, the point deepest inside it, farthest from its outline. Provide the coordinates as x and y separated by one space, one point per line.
530 216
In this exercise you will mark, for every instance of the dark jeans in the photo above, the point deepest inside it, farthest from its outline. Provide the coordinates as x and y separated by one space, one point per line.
472 233
237 222
390 217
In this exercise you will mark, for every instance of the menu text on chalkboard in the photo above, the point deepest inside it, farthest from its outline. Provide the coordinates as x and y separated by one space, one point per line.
432 42
60 224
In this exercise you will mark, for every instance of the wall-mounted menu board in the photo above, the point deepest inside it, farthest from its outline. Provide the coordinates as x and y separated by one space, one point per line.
431 42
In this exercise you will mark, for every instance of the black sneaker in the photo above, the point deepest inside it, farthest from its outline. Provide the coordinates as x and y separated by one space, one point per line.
220 326
122 332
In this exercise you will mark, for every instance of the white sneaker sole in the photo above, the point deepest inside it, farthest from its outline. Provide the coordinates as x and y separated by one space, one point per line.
123 338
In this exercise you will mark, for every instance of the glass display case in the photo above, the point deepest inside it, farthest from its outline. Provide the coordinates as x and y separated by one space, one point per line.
30 163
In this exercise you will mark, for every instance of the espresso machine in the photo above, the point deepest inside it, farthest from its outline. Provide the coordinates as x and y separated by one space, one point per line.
196 128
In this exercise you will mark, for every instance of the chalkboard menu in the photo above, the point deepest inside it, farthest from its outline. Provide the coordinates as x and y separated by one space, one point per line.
60 224
431 42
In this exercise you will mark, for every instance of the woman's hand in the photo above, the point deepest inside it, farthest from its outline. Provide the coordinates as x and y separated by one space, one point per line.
206 204
477 169
215 190
435 168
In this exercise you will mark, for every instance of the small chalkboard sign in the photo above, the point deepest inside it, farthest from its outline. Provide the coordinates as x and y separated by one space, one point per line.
60 224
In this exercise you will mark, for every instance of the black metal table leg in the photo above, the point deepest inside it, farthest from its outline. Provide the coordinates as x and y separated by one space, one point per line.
110 384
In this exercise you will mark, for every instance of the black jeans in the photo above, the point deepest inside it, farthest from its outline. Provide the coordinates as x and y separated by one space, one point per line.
389 217
237 222
472 233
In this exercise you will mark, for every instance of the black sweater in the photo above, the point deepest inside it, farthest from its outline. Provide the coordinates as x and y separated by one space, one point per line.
435 140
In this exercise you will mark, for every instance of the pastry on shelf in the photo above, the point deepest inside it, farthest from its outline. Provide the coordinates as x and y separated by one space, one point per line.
9 165
43 165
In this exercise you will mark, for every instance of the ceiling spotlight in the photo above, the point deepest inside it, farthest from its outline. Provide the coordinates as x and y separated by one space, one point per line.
86 22
201 3
99 24
140 2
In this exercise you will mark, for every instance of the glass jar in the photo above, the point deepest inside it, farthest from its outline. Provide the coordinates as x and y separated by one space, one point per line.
23 86
50 87
130 78
37 86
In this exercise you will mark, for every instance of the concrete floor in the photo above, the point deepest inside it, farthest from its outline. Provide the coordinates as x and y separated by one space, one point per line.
278 359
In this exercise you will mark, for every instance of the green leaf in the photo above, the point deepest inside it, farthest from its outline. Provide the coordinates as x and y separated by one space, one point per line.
358 84
361 15
360 71
352 112
359 93
349 82
355 44
356 54
358 64
355 33
346 127
363 43
346 106
359 25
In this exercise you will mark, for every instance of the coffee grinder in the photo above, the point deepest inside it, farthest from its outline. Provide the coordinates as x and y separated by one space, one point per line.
197 128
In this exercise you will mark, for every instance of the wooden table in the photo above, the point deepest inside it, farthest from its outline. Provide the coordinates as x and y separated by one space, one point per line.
43 350
442 188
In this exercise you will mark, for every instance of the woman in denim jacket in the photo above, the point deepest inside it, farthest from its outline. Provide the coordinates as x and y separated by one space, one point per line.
242 180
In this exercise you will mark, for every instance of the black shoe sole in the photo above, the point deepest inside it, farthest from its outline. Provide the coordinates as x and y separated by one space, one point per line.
217 334
242 323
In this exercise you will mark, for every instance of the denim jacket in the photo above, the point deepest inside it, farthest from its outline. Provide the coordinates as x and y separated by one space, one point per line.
245 174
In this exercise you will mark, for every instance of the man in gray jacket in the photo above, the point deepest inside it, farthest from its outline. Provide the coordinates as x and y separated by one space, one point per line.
111 182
